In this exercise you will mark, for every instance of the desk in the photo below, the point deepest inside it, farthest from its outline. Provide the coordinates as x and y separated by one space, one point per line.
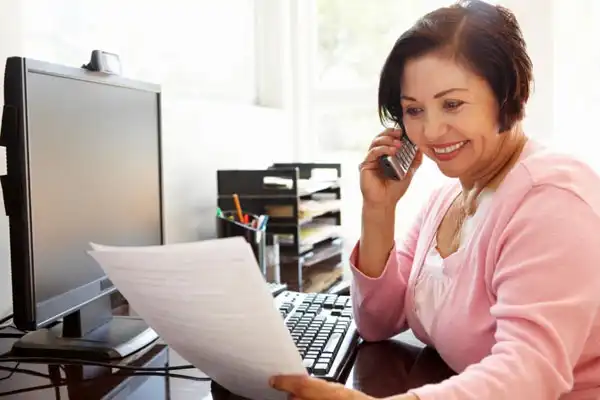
104 385
380 369
394 366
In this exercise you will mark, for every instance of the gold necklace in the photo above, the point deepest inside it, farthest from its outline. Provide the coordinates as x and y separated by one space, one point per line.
460 220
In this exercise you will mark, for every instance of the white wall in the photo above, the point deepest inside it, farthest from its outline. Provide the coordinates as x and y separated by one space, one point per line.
202 137
202 52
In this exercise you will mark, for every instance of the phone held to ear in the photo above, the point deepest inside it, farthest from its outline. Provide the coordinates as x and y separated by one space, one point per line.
397 166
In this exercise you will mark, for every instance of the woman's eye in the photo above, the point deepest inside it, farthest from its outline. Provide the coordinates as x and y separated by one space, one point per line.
413 111
453 104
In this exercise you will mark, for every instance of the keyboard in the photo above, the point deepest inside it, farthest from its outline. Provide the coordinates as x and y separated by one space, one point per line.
323 330
276 288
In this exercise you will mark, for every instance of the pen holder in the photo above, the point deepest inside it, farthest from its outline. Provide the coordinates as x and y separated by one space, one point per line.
272 260
228 225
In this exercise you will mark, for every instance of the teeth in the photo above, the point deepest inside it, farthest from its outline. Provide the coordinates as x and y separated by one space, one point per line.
448 149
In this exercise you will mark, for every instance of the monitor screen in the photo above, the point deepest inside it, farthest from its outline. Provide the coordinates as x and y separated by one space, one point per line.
94 176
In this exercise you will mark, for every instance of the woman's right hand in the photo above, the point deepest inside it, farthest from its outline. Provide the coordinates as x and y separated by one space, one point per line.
378 190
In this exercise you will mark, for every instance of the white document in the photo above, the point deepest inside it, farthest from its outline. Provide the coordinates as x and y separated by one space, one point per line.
209 302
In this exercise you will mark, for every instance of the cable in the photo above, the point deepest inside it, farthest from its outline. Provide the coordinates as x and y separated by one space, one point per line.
12 370
11 335
69 361
11 326
65 382
6 319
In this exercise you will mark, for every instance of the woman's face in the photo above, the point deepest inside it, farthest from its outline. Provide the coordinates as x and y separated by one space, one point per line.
451 114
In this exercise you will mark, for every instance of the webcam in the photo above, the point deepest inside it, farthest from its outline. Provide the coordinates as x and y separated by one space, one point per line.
102 61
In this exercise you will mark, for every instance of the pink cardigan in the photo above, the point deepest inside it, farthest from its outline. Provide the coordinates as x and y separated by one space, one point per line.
522 317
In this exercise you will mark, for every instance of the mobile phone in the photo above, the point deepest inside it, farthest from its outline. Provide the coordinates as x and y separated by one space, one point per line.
397 166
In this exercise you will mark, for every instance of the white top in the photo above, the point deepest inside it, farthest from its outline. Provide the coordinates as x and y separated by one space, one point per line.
432 283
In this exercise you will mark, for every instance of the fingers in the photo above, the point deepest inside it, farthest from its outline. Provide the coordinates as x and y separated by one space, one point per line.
393 132
388 137
301 386
308 388
386 141
376 152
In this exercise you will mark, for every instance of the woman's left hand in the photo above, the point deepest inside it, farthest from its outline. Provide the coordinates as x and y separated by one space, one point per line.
302 387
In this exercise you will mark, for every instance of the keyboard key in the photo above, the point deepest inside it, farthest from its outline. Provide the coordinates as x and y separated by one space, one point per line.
333 342
308 363
320 368
324 360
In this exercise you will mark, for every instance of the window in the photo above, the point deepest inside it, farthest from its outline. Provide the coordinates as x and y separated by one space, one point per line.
351 43
354 38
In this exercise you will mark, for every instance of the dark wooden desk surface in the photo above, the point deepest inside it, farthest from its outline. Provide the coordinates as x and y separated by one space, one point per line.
392 367
381 369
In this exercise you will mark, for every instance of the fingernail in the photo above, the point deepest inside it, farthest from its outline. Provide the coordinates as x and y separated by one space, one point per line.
397 143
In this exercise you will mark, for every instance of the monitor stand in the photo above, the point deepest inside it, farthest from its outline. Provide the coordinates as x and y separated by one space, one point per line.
91 333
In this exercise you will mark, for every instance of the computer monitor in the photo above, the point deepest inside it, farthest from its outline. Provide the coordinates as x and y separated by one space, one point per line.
83 165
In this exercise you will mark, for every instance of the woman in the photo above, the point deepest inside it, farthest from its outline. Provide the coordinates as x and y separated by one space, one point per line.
501 271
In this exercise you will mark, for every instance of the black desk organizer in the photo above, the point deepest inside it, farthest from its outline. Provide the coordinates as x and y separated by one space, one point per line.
258 195
255 237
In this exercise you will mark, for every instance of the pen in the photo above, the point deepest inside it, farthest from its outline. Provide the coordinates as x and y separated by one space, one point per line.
238 207
262 221
219 212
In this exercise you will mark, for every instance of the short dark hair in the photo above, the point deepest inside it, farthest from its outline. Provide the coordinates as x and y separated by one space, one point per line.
486 38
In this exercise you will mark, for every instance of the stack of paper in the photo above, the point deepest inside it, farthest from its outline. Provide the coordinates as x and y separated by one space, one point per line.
307 209
210 303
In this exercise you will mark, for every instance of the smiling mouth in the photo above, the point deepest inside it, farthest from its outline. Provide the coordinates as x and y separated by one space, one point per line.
449 149
446 153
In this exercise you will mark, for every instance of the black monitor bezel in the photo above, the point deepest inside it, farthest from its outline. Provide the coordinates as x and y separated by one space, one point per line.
28 314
